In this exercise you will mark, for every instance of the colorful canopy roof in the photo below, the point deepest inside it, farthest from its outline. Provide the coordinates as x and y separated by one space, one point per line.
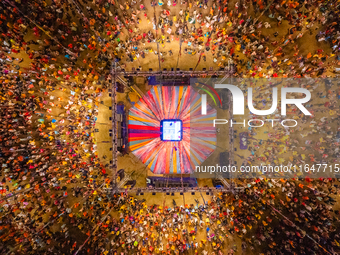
167 157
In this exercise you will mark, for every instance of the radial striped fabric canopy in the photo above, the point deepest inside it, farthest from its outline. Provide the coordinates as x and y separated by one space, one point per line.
169 157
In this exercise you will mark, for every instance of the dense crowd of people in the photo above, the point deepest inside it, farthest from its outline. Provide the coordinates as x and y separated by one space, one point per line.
56 58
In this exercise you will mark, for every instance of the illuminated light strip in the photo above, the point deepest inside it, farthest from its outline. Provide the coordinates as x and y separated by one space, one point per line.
209 95
136 92
213 90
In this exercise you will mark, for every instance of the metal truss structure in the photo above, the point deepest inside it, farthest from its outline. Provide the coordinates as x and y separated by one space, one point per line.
179 190
204 73
116 75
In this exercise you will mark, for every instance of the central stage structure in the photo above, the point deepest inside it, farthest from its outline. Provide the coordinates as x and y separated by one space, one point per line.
190 136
